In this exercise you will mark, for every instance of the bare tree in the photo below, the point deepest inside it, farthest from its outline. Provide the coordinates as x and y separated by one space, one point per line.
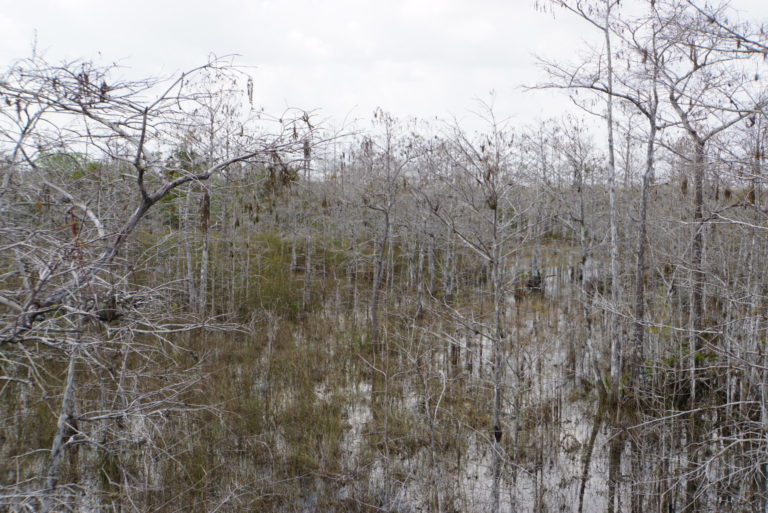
85 163
483 214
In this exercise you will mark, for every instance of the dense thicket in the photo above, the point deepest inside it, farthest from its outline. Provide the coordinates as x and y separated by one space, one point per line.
203 308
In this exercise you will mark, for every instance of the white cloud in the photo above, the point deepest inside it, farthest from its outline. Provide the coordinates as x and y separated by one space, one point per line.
419 57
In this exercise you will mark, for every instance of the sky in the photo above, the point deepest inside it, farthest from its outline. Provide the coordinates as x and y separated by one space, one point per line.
340 59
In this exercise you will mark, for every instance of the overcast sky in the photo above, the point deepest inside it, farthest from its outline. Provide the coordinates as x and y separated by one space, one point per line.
420 58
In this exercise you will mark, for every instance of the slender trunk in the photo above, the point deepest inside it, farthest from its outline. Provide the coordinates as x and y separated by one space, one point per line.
388 488
615 447
637 491
614 468
378 275
616 343
693 484
499 340
191 281
431 267
642 242
307 296
628 159
234 252
205 213
436 475
764 416
697 255
420 281
586 456
294 256
449 284
63 427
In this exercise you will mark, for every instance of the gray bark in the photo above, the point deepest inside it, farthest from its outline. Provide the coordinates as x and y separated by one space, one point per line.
63 427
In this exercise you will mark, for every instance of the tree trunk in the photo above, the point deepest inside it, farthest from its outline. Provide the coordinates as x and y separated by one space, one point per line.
640 270
63 427
693 485
307 295
191 280
615 333
499 342
614 467
205 216
378 275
